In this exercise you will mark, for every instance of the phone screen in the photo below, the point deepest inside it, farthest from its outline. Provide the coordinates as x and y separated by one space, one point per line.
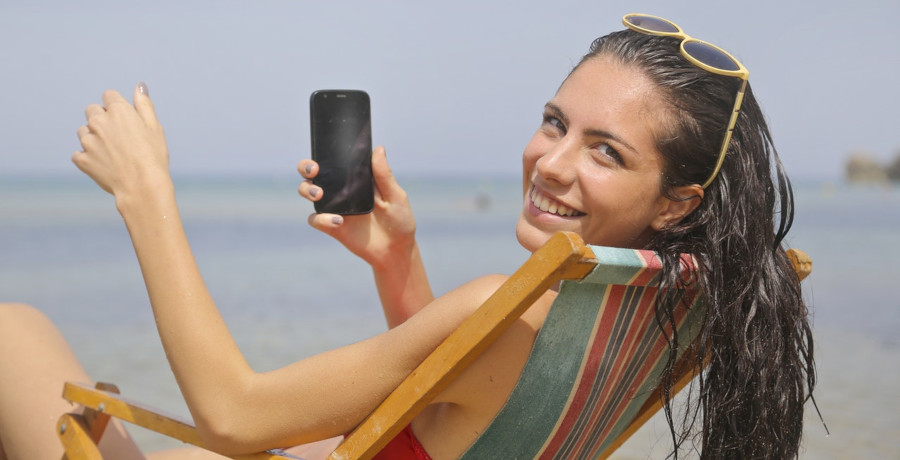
341 135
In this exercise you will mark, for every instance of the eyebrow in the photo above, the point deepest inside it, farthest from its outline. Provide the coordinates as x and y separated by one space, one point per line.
558 113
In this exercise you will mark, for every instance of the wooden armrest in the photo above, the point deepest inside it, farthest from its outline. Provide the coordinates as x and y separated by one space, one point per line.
114 405
801 262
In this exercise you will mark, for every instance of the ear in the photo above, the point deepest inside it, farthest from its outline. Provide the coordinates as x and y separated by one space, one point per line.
672 211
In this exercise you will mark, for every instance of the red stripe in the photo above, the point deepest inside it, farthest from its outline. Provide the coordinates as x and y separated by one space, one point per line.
642 319
642 322
652 266
582 388
658 350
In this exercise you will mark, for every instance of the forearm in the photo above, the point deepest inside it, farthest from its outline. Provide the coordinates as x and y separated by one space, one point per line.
403 287
206 361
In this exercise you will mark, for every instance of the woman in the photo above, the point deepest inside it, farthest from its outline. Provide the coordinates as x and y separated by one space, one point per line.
628 154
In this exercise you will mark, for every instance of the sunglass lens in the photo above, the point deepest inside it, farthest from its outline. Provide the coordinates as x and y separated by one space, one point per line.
654 24
709 55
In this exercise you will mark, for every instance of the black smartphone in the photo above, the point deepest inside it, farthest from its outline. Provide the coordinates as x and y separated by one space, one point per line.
341 133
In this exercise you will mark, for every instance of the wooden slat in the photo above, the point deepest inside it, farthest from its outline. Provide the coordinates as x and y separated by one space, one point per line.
132 412
563 257
75 439
138 414
801 262
97 421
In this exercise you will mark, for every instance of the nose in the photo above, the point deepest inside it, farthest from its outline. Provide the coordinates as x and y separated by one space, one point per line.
557 164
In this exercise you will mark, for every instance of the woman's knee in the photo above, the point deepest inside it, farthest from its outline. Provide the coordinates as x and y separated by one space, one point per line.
18 318
27 333
18 310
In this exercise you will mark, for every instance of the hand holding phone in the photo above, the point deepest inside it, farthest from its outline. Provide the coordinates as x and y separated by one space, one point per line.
341 134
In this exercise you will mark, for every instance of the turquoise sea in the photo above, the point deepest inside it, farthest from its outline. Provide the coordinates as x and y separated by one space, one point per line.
288 291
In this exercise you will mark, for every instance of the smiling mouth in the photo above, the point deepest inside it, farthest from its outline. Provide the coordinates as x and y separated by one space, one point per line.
548 205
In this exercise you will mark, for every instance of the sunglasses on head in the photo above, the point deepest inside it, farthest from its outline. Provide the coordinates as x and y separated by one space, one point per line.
705 55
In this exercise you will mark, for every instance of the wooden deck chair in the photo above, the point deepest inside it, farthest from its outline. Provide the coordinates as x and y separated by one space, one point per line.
588 384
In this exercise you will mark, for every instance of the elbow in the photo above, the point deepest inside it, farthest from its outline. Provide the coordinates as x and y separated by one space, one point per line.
219 434
228 423
225 418
227 433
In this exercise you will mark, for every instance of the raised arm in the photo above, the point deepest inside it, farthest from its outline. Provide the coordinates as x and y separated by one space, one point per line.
384 238
236 409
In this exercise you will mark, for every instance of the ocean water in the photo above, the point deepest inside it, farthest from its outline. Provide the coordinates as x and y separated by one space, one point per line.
288 291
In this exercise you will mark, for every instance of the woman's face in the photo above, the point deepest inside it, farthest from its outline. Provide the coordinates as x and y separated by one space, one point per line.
592 167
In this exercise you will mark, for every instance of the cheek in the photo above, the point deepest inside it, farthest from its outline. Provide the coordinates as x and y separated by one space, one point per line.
529 159
619 222
530 156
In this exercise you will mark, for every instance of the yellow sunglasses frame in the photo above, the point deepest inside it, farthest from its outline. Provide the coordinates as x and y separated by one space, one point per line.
741 73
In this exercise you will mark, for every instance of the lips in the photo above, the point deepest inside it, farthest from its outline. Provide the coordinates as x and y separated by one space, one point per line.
551 206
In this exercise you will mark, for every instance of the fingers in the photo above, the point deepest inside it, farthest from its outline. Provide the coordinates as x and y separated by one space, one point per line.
90 146
327 223
92 114
143 105
83 162
385 181
310 191
93 110
111 97
308 168
85 137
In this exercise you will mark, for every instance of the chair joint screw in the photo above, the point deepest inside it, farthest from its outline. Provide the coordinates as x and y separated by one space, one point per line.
62 428
101 407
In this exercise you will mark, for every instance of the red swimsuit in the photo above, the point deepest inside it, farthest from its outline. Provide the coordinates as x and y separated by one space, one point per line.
403 446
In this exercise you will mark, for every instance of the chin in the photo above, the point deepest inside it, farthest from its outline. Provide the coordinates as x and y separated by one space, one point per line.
529 237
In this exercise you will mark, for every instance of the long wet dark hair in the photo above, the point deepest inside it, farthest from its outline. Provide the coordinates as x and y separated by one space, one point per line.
756 343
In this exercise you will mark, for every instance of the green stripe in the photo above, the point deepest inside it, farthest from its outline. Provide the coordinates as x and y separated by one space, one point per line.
618 266
527 420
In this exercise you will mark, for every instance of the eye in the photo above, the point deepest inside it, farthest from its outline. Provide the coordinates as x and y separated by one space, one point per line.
605 152
554 124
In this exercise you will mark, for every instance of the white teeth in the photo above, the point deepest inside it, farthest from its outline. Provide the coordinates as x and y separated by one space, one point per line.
547 205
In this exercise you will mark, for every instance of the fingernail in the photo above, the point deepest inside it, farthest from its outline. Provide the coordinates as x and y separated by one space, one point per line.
308 169
313 192
337 220
142 88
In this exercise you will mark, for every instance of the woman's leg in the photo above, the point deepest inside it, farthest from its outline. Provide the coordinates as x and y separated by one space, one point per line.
35 360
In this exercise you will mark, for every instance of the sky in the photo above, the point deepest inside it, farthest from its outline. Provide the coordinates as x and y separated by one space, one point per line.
456 87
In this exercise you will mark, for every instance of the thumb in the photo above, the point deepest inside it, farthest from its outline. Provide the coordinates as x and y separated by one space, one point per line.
143 105
385 181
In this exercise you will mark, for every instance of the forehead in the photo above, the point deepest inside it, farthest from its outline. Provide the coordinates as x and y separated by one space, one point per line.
604 93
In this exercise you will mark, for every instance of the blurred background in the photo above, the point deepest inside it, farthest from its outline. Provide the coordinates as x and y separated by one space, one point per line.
457 90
